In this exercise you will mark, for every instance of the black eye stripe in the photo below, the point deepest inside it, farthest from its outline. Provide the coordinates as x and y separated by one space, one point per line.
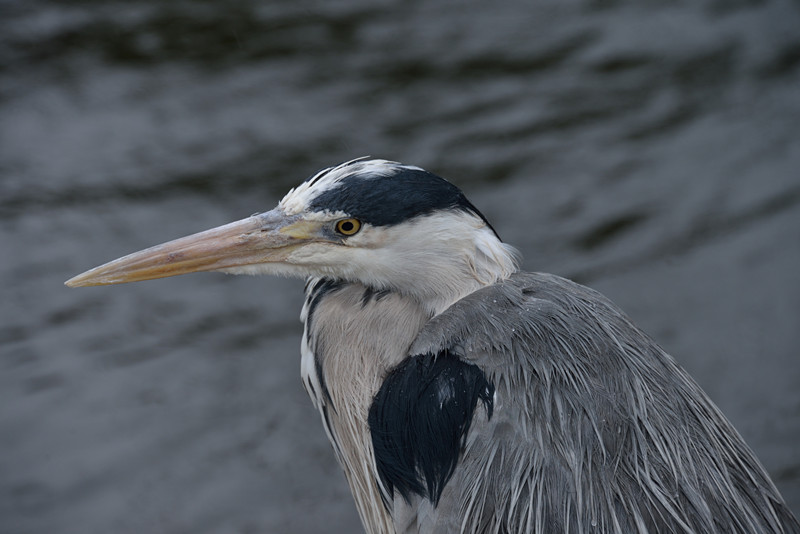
391 197
388 200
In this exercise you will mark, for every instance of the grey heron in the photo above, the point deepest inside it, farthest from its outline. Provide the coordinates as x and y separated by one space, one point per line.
462 395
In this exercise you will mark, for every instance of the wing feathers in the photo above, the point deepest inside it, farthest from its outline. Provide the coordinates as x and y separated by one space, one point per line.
595 428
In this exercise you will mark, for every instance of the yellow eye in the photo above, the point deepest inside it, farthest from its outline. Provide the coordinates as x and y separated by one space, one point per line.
348 226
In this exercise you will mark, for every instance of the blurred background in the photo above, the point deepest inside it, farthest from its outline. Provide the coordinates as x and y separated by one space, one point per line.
648 148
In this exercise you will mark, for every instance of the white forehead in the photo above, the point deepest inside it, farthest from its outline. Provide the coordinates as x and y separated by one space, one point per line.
299 198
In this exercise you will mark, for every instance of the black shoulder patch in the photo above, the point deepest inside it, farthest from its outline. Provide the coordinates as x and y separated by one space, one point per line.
420 418
383 200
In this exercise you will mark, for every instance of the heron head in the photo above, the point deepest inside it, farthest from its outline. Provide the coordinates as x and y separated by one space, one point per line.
380 223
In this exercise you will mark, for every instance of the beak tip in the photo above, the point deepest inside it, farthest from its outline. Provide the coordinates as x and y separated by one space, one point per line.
73 282
84 280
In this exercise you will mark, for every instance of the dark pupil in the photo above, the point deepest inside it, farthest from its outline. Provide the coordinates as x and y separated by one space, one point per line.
346 226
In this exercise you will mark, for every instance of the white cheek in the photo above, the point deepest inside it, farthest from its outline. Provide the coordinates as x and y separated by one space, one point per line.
369 238
318 254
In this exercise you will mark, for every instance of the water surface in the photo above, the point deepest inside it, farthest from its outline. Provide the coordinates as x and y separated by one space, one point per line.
648 149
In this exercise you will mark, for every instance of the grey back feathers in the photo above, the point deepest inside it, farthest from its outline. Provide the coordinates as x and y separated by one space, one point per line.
595 428
575 420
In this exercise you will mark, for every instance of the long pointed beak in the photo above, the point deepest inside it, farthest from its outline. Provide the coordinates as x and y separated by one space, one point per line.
262 238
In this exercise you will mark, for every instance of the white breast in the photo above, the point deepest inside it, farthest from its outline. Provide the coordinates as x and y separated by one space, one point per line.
353 336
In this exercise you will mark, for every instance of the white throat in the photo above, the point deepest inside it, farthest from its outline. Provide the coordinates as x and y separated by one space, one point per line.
436 259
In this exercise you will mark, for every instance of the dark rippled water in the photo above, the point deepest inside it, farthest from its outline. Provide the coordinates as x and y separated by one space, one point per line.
649 149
